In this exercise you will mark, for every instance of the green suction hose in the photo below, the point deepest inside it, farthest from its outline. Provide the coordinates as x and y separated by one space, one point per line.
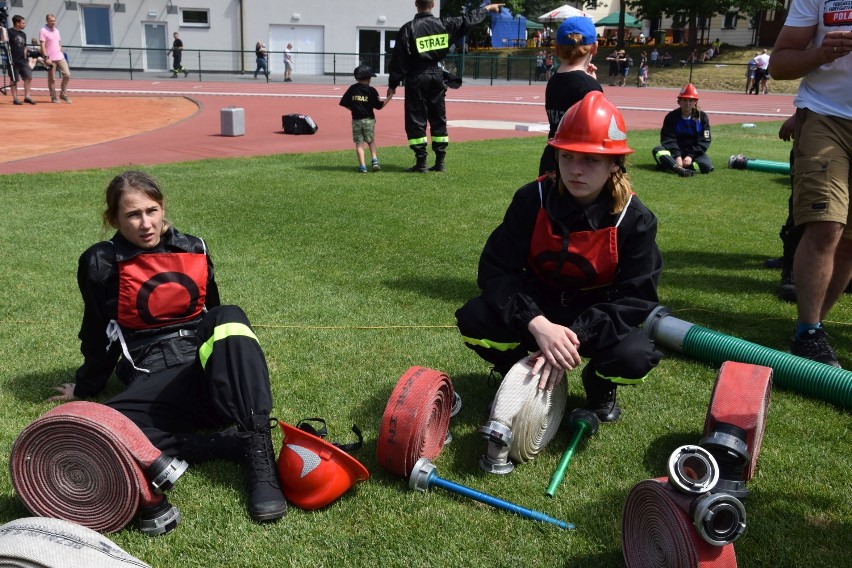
740 162
788 371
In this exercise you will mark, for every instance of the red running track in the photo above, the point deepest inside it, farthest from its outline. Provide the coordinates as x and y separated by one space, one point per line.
199 137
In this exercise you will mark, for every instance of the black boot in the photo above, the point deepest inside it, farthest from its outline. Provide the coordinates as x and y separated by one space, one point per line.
600 396
266 502
439 163
787 288
419 167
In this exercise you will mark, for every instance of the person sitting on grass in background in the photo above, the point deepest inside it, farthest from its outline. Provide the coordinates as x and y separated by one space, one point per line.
361 99
685 137
552 283
195 376
576 44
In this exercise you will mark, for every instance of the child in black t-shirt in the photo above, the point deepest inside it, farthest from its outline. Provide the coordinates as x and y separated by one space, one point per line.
361 99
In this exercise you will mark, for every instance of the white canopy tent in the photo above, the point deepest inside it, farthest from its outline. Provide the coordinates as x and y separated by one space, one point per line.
561 13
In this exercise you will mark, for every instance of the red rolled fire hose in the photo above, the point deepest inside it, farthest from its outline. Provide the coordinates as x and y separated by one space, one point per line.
741 397
657 525
416 420
657 531
84 462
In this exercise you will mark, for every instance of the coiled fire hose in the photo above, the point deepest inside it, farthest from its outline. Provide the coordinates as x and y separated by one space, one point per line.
740 400
705 483
41 542
657 531
416 420
87 463
523 419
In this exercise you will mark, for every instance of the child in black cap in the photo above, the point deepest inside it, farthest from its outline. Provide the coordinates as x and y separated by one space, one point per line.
361 99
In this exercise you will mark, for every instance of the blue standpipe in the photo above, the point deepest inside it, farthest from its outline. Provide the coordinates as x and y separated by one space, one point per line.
424 476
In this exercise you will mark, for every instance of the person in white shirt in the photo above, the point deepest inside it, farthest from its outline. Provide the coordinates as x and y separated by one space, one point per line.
814 46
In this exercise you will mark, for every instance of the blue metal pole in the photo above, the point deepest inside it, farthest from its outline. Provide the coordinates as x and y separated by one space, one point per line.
433 479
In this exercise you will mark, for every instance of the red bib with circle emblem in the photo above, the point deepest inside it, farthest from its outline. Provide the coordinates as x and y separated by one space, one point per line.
160 289
579 259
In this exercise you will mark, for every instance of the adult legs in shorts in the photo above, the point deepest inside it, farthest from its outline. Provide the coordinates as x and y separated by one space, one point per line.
823 263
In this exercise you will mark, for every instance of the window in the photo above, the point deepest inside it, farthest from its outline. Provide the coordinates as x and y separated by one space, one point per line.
96 26
730 21
195 17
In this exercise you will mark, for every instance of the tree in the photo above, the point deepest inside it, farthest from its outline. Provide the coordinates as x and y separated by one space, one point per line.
691 12
459 7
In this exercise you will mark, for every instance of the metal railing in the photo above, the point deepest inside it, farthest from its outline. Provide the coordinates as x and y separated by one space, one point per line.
487 66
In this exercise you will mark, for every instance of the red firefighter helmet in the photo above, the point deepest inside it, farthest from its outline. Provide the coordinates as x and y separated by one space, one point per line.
688 92
313 473
594 126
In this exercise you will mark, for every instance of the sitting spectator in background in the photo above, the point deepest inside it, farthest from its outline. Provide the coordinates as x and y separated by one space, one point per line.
707 55
666 59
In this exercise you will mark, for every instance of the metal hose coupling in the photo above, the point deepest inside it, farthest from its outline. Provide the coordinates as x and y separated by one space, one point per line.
727 444
164 472
693 470
157 519
719 518
496 458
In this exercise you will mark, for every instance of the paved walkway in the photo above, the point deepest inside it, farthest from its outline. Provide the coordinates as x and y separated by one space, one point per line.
476 111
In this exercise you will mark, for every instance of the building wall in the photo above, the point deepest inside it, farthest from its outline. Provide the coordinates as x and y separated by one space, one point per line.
339 21
315 26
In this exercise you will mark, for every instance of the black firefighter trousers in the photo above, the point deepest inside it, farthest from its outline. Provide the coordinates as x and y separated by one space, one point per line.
425 101
210 381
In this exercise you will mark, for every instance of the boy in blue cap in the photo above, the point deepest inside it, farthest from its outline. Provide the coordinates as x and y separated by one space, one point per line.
576 44
361 99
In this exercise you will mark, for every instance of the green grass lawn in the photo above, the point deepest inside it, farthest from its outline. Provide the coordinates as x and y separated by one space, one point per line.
351 279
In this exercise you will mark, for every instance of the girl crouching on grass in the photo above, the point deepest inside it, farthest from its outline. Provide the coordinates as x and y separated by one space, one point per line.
572 271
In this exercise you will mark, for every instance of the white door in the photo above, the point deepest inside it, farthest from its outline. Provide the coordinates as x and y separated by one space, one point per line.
308 45
155 47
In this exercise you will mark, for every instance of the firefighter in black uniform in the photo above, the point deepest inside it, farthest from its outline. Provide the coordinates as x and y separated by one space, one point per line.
151 313
421 44
685 137
573 268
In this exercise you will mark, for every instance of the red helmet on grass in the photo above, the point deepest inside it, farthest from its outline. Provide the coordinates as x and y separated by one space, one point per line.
593 126
313 472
